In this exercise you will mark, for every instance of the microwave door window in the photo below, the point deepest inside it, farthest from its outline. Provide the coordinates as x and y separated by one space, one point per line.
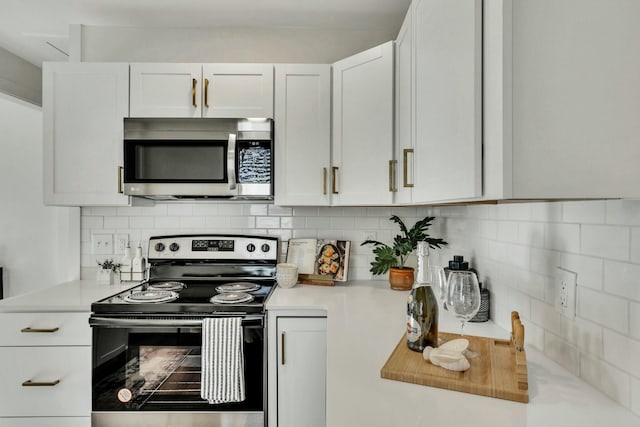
187 162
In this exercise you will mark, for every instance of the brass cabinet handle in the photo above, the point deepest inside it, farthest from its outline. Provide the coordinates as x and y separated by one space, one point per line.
39 331
392 168
206 93
324 181
405 167
282 346
334 173
120 169
29 383
194 82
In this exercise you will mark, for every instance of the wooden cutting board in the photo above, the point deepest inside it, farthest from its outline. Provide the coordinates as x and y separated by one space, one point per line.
499 371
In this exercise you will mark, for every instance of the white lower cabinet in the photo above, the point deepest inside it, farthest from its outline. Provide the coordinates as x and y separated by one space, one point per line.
297 370
46 362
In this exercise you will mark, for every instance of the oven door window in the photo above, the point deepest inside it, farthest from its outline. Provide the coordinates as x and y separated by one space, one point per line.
182 161
159 369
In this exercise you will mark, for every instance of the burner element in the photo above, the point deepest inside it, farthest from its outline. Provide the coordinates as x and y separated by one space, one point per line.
238 287
231 298
151 296
167 286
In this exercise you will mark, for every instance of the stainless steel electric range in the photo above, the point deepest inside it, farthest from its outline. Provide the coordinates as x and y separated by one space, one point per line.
147 341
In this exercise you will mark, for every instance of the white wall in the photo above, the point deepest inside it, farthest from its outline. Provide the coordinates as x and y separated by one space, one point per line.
284 45
20 78
38 245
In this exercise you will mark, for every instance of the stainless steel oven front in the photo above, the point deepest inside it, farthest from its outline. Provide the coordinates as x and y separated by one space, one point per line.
147 371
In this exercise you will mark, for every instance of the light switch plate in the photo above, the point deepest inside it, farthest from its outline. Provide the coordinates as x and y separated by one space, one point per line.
102 244
566 286
121 242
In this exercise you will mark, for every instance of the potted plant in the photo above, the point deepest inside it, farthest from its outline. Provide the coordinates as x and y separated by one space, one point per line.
393 258
107 271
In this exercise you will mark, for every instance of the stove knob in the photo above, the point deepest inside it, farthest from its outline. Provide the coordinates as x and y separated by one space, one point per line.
251 247
159 247
265 247
174 247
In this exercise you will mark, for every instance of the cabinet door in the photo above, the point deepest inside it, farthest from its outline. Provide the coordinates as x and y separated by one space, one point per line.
303 134
302 368
62 376
404 150
448 89
362 151
238 90
166 90
84 105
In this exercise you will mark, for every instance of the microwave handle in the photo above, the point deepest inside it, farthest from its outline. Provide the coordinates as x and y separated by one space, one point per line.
231 161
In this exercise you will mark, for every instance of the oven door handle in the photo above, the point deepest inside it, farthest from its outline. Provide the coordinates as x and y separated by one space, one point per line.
231 161
116 322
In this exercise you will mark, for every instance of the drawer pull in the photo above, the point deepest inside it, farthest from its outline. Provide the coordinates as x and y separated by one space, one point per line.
39 331
30 383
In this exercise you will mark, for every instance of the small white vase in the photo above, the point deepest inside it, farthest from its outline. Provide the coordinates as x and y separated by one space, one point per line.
105 277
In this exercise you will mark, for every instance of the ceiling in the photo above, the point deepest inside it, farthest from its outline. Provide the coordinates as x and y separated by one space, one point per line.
38 30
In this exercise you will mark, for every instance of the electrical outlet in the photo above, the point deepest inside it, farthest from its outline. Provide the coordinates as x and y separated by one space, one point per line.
121 242
566 285
102 244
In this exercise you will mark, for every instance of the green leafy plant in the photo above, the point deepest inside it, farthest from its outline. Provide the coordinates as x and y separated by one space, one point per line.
403 244
110 264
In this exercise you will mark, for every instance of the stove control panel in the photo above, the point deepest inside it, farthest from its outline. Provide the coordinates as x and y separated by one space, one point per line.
213 247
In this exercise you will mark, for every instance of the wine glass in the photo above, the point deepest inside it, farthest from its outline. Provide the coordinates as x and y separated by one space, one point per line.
438 279
463 295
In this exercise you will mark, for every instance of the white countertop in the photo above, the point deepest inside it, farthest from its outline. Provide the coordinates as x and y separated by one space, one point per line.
365 321
71 296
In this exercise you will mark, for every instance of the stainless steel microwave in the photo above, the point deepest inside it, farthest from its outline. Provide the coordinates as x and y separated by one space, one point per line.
198 158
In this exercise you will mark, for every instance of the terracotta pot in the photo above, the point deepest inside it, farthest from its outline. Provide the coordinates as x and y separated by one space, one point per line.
401 279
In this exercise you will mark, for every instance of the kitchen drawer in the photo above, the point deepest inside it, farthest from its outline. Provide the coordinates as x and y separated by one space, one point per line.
70 397
72 329
46 422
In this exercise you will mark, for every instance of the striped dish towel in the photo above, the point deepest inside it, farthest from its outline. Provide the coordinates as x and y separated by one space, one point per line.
222 360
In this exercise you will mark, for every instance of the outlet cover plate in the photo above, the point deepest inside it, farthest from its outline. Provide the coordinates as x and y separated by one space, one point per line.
566 287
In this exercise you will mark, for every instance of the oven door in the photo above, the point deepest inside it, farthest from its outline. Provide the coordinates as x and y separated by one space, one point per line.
148 371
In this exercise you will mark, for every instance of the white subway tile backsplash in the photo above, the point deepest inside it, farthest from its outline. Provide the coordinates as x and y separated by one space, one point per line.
515 248
168 222
606 241
180 209
565 354
562 237
116 222
592 212
635 245
634 320
267 222
623 212
611 381
623 279
606 310
585 335
622 352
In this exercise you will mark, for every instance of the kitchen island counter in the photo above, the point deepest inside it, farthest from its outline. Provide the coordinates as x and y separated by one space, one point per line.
70 296
365 321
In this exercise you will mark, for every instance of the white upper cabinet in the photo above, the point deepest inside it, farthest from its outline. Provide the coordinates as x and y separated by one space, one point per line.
302 134
362 147
166 90
84 106
197 90
237 90
447 82
404 130
562 99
